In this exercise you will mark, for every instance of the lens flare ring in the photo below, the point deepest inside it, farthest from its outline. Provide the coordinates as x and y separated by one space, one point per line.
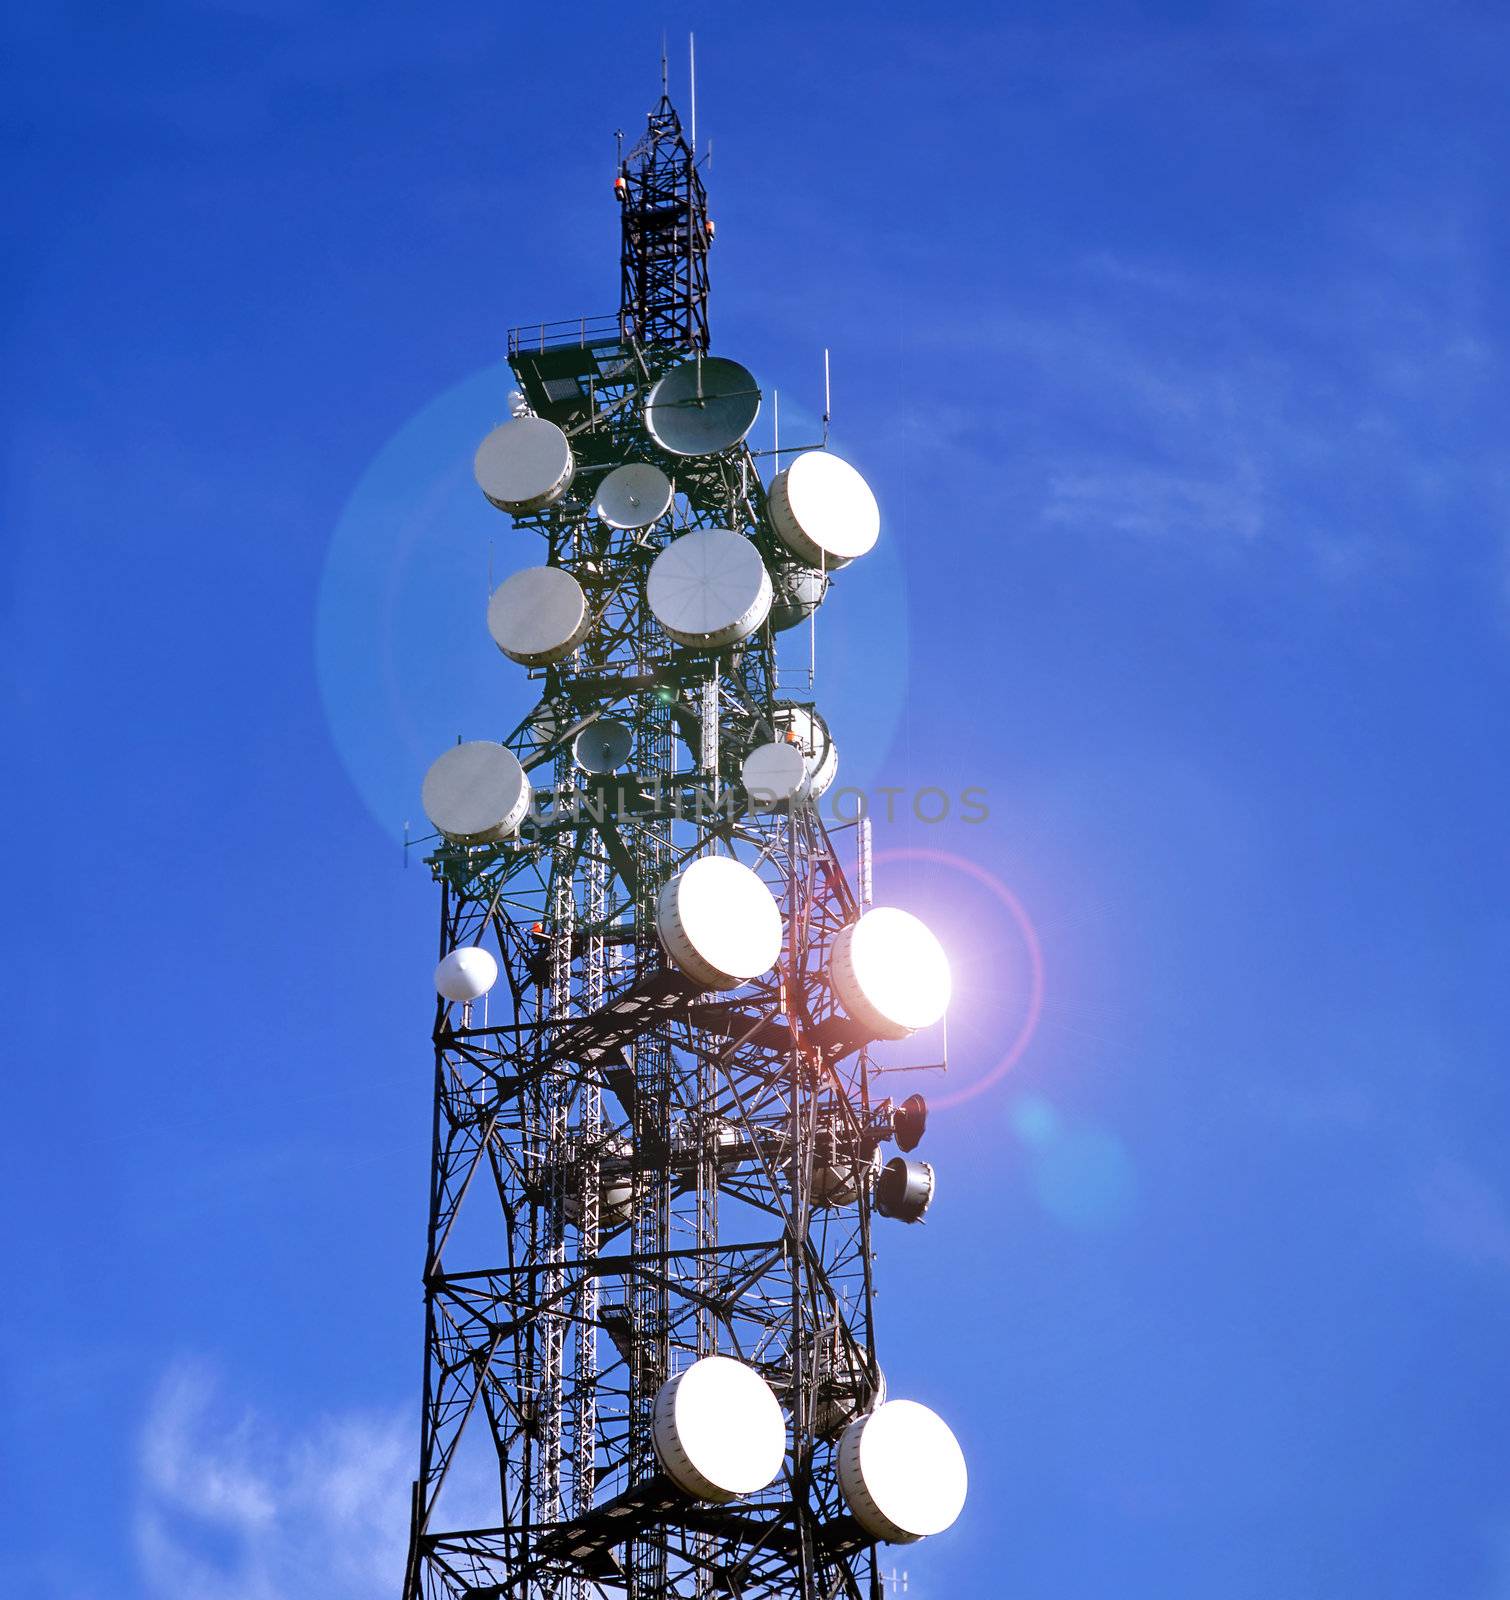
1024 925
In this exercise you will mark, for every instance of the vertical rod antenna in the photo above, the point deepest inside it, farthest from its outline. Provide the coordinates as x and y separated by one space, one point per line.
692 75
827 404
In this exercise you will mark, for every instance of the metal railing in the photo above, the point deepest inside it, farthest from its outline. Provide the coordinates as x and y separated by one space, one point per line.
557 335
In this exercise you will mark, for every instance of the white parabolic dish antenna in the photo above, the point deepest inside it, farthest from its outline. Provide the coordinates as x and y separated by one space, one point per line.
633 496
719 922
709 588
799 593
890 973
824 510
810 731
602 746
525 465
718 1430
476 793
773 773
538 616
902 1472
467 973
703 406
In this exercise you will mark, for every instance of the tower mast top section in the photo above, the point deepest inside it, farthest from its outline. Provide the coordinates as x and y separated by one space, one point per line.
665 236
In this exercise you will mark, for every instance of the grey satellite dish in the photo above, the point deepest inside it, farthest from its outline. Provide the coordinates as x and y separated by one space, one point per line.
602 746
703 406
633 496
799 593
525 465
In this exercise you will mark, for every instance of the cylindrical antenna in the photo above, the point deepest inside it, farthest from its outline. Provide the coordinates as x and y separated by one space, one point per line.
862 843
812 623
776 428
826 403
692 74
709 742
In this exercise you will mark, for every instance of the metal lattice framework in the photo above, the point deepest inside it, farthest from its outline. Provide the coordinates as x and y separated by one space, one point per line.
630 1173
665 237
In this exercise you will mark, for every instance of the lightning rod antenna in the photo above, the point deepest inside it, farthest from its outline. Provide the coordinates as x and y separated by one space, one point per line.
827 405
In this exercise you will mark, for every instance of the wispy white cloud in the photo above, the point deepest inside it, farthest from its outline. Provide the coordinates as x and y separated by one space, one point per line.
234 1506
1334 419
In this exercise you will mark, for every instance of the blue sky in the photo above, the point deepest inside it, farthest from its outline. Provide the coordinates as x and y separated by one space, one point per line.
1172 339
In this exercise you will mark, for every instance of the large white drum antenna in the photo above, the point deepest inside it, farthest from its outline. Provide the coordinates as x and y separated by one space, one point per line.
709 588
902 1472
824 510
539 616
525 465
476 793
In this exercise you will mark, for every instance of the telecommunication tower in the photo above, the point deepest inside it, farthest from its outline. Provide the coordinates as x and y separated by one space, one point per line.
657 1156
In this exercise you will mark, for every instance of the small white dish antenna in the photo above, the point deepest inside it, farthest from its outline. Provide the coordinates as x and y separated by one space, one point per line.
602 746
466 974
525 465
774 773
719 1431
633 496
824 511
799 593
539 616
703 406
802 726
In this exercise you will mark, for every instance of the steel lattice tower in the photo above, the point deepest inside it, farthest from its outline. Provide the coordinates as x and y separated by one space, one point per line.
629 1171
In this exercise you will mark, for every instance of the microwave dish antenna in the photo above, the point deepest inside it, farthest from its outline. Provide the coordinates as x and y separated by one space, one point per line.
719 1431
824 511
902 1472
709 588
476 793
602 746
719 922
633 496
525 465
702 407
539 616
